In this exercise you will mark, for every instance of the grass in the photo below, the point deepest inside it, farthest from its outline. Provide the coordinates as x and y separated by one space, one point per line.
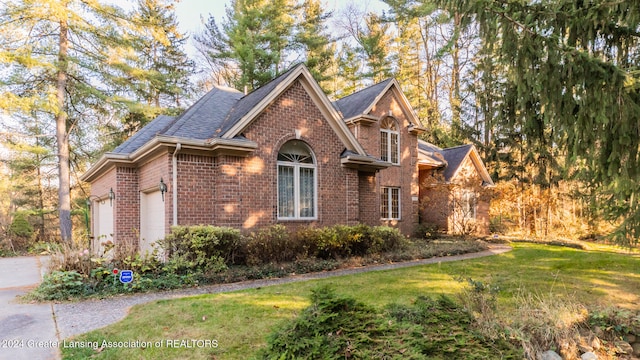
240 321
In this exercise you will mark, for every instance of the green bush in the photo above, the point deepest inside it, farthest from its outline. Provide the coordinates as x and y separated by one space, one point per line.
335 327
20 226
277 244
427 231
204 248
272 244
61 285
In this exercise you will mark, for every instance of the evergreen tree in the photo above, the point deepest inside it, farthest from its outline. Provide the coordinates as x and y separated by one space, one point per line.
371 34
154 73
315 42
57 59
349 79
572 66
31 169
252 46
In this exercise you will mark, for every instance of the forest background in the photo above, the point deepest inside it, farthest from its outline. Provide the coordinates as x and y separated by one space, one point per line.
547 90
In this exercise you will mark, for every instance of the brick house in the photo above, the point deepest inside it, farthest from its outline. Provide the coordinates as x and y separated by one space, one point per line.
282 154
454 189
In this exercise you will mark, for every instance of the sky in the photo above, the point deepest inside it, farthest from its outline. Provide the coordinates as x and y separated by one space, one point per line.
190 12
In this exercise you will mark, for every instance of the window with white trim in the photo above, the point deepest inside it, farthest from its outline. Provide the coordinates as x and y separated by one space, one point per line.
389 141
469 204
297 185
390 203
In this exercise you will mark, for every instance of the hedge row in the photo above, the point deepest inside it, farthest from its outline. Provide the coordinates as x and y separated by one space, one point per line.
202 247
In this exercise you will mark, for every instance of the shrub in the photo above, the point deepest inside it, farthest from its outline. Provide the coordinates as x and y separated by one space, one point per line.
21 232
272 244
335 327
60 285
427 231
71 257
385 238
205 248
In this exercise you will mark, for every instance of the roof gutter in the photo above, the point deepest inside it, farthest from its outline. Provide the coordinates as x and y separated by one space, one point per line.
239 147
174 164
362 162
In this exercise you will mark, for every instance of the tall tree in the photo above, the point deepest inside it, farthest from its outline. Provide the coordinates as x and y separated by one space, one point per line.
573 65
153 72
372 35
315 42
55 55
252 46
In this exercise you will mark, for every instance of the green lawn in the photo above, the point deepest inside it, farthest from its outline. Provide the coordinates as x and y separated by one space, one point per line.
240 321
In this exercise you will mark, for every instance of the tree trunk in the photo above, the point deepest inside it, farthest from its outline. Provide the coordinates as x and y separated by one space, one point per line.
62 137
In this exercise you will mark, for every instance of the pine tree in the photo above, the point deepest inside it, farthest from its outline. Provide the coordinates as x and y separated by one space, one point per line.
154 72
572 90
312 37
350 79
57 58
251 47
372 36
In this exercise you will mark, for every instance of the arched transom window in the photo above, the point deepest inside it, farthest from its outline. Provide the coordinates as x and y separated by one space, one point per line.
389 141
297 186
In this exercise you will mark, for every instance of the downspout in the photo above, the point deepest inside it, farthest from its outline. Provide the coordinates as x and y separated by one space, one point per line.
174 165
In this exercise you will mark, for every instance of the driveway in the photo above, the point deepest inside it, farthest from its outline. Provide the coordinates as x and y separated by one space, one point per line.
36 330
27 331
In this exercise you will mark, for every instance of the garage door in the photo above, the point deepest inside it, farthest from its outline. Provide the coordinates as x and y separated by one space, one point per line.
151 220
103 225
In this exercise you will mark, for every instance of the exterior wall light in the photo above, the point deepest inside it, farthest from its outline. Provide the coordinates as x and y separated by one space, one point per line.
112 196
163 188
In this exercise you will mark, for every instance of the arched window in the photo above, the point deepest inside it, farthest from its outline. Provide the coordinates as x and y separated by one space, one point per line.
297 187
389 141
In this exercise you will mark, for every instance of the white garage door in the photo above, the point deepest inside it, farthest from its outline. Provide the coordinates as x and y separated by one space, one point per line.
151 220
103 225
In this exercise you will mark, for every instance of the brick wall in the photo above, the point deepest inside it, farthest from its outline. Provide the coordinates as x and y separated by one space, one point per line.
247 193
196 184
126 211
405 175
437 200
369 210
434 199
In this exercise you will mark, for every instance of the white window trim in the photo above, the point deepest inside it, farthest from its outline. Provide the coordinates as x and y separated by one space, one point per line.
469 208
387 134
296 189
390 203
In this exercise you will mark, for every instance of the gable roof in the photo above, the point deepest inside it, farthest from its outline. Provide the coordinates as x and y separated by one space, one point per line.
252 105
452 159
430 155
205 118
216 121
200 121
244 105
358 102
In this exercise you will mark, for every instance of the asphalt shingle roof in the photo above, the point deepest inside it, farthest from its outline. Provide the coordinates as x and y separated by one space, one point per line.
145 134
204 118
221 108
358 102
248 102
454 157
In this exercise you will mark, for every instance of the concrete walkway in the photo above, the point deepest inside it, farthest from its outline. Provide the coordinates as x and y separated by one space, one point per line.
27 331
44 324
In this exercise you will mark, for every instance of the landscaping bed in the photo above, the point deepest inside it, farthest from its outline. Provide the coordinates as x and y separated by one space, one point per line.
201 255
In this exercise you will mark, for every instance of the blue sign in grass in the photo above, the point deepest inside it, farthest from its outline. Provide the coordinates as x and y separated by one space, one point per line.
126 276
